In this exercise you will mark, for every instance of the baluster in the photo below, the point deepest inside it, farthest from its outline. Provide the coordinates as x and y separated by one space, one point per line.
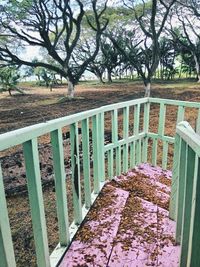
164 155
101 147
114 114
75 166
187 206
86 162
161 125
7 257
198 123
95 142
132 154
125 137
180 115
146 130
194 241
110 164
60 186
181 189
30 149
154 152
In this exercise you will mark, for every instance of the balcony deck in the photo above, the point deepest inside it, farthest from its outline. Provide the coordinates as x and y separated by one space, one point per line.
129 224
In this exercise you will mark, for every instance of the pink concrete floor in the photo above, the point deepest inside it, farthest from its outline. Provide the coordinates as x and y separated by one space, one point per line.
147 242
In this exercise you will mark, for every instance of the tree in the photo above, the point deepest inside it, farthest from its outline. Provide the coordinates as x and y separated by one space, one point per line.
151 18
55 26
9 78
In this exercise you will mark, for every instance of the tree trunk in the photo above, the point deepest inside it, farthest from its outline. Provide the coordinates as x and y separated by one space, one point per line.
109 77
100 77
197 68
147 87
70 93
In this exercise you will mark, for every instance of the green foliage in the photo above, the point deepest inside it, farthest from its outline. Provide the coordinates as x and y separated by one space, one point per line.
9 78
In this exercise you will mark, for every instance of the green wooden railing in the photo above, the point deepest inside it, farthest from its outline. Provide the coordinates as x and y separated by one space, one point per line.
187 187
132 143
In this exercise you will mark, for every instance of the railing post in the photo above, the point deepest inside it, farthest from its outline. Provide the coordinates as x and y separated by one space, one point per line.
175 175
96 148
86 162
125 137
75 165
101 147
189 179
7 257
60 186
36 201
146 130
194 241
181 189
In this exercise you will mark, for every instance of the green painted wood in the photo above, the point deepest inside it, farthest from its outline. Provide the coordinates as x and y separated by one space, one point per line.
30 149
175 102
180 115
194 240
146 117
101 147
161 124
163 138
132 155
187 206
198 123
114 116
60 186
136 119
7 257
125 137
118 160
175 175
110 164
154 152
20 136
95 144
75 167
86 161
144 149
164 155
181 189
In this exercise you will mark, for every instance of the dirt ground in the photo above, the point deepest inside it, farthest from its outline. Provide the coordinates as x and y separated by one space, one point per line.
39 105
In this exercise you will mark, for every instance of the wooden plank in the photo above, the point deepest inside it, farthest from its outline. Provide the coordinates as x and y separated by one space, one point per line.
30 149
136 119
187 206
164 155
118 160
175 102
161 124
95 143
163 138
110 164
145 149
180 115
175 175
125 137
60 186
132 154
194 240
101 147
7 257
154 152
75 166
86 161
198 123
181 190
146 117
114 115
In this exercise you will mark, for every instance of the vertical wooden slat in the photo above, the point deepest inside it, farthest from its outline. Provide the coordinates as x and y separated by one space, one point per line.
175 175
30 149
125 136
110 164
181 189
198 123
146 117
180 115
86 162
194 241
132 154
136 119
60 186
95 143
144 149
154 152
75 165
187 206
161 125
118 160
101 147
114 115
7 257
164 155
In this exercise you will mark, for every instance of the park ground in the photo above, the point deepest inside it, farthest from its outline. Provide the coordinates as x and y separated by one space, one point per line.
39 105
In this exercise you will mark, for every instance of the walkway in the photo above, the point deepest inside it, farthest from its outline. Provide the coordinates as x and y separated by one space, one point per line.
128 225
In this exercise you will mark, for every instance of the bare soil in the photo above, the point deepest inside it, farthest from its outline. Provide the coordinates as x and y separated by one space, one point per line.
39 105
